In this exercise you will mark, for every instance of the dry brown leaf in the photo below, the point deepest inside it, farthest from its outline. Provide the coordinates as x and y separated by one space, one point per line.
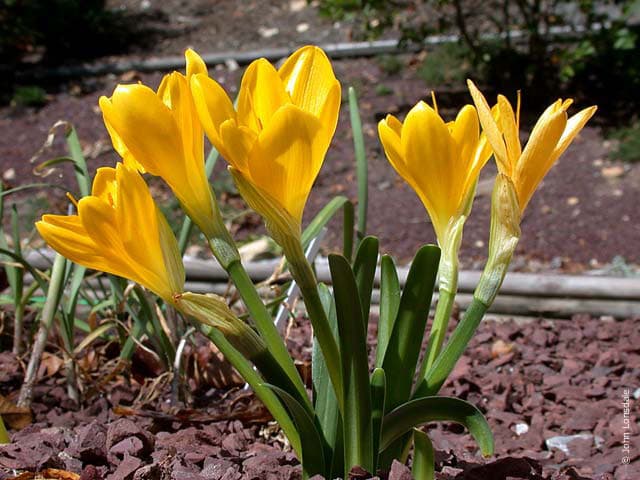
16 417
500 348
49 365
48 474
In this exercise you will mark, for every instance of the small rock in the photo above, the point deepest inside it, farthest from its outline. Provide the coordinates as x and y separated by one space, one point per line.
520 428
562 443
268 32
9 174
614 171
399 471
302 27
126 469
297 5
500 348
573 201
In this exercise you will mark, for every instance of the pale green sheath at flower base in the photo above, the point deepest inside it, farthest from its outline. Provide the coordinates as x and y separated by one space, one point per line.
275 142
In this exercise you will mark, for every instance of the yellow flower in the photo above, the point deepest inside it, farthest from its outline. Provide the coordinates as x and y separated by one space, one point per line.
277 139
119 230
550 137
441 161
160 133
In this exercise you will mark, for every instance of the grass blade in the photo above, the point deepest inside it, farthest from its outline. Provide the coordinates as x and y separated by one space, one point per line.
362 173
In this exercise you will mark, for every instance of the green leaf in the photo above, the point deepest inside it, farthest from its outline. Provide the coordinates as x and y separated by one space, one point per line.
389 305
325 401
362 173
364 268
378 392
313 461
405 343
80 164
452 352
437 409
423 457
355 369
322 218
347 230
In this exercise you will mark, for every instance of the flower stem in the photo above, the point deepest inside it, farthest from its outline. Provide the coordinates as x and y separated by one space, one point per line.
226 253
305 278
446 300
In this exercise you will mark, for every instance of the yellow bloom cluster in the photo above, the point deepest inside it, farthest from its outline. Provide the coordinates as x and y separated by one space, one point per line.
275 142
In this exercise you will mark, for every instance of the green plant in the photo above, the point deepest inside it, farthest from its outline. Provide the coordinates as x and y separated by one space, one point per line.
275 141
445 65
390 64
29 96
628 143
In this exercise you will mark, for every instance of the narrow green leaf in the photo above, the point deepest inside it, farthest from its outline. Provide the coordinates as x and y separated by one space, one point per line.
362 173
313 461
437 409
378 392
452 352
4 435
355 369
389 305
364 268
347 230
37 275
325 401
405 343
75 150
322 218
423 457
11 271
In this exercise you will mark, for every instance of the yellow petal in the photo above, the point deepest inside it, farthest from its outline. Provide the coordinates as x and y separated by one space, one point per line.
574 125
491 130
213 107
534 162
261 95
287 158
145 125
135 218
238 143
330 112
389 131
195 64
465 131
186 173
309 79
509 128
105 186
70 240
428 151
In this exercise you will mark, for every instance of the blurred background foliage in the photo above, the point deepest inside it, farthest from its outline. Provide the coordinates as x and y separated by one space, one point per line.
585 47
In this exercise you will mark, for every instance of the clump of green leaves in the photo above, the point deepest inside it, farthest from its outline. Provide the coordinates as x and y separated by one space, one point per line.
29 96
628 147
390 64
446 64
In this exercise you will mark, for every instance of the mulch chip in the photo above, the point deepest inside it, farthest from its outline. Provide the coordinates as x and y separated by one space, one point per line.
552 392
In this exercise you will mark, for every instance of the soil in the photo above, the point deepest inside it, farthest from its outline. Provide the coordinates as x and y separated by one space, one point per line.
581 217
552 392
